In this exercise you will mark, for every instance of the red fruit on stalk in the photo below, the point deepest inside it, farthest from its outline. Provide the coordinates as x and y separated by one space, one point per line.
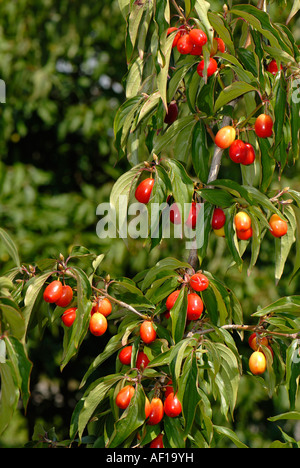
172 113
264 126
199 282
172 298
218 219
69 316
53 292
238 152
250 155
144 190
211 69
66 297
195 307
198 37
184 44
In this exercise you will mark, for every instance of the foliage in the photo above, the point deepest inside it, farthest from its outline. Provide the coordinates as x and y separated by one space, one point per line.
202 358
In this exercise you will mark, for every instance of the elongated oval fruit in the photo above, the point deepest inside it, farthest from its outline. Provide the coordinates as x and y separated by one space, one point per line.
144 190
225 137
53 292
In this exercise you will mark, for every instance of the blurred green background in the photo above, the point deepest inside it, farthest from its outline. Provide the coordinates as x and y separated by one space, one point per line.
63 63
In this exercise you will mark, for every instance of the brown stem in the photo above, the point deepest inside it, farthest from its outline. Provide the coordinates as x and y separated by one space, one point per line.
120 303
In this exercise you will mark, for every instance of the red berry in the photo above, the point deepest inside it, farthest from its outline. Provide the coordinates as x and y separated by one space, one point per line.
238 151
197 50
172 406
193 215
175 215
264 126
250 155
147 332
156 412
211 69
98 324
125 355
218 219
142 360
225 137
53 292
198 37
66 297
157 442
144 190
221 45
172 113
273 67
172 299
195 307
69 316
124 396
245 235
184 44
199 282
279 227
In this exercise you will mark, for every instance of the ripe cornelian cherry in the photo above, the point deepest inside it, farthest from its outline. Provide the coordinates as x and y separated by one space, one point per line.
257 363
142 360
66 297
264 126
98 324
172 298
218 219
124 396
53 292
278 226
195 306
69 316
125 355
199 282
193 215
144 190
221 45
250 155
273 67
169 388
175 215
172 406
211 68
172 113
147 332
242 221
156 411
157 442
225 137
245 235
184 44
103 306
238 152
197 50
198 37
255 340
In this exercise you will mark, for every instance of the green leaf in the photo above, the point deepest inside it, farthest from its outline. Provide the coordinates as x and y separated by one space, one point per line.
291 415
178 316
9 395
10 246
294 10
225 431
202 8
182 184
200 153
21 364
285 306
167 264
292 371
284 244
86 406
233 91
14 317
